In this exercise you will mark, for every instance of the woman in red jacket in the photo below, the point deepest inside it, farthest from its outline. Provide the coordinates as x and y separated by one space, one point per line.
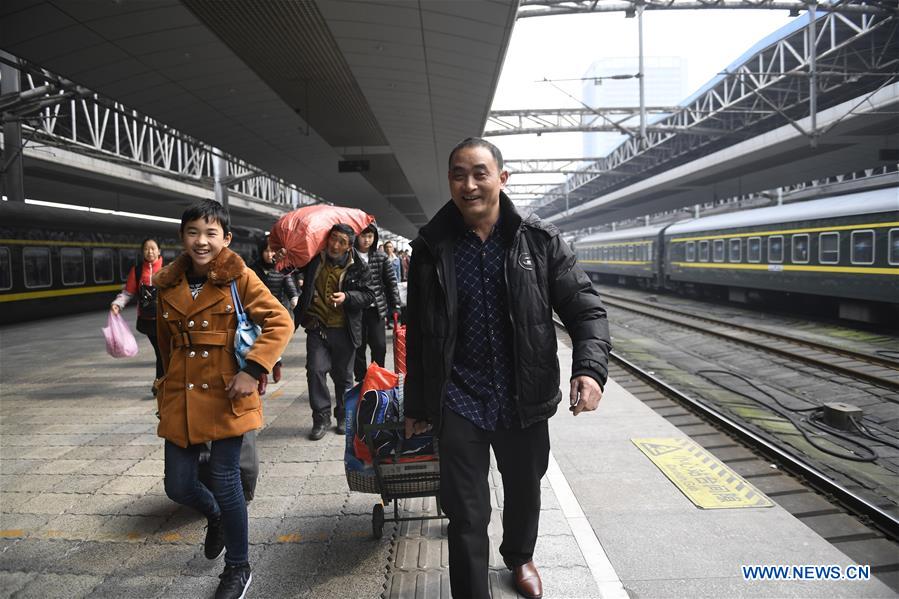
142 288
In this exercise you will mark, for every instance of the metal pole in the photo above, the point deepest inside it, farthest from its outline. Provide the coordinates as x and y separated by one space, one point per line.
813 73
219 172
640 73
12 176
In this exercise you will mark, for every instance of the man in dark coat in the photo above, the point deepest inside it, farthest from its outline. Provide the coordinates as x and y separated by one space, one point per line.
335 292
386 304
482 360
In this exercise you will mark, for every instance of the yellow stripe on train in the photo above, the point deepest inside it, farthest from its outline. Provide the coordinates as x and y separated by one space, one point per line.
858 270
16 297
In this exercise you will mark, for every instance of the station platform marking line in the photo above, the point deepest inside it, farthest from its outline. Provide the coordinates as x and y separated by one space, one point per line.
700 476
600 567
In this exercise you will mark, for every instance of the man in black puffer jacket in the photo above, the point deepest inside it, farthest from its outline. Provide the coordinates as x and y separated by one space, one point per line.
482 359
335 291
386 304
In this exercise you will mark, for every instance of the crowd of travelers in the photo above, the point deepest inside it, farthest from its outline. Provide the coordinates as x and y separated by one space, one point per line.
481 285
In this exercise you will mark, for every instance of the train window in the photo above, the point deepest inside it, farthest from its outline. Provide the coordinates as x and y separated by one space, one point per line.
5 269
703 251
127 259
72 261
776 249
829 248
800 248
894 246
691 251
735 247
630 253
649 251
169 255
862 247
37 267
718 250
754 249
104 269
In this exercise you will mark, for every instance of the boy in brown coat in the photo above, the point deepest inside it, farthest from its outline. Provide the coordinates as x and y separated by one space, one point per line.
203 397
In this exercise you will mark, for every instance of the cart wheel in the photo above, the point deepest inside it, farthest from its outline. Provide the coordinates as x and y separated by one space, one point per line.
377 521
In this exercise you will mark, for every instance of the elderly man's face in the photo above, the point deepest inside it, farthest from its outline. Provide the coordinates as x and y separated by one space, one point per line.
338 245
475 182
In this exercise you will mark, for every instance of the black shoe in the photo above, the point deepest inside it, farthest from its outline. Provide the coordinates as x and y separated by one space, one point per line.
235 581
320 425
340 429
215 538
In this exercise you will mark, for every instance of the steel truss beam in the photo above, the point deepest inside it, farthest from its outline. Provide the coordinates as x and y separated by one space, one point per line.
565 120
55 112
527 166
856 53
543 8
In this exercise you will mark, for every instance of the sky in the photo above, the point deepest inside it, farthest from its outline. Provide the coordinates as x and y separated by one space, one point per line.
564 47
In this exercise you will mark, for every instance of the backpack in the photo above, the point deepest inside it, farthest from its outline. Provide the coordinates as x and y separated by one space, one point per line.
384 406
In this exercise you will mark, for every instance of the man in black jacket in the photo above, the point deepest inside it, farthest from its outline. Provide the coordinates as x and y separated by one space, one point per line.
482 359
335 293
387 301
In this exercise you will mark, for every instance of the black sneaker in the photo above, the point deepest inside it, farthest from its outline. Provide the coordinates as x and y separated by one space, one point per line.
235 581
215 538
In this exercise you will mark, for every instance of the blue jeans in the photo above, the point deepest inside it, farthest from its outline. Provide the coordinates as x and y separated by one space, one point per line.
224 499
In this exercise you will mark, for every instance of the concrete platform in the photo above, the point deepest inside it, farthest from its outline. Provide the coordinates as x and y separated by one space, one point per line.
83 512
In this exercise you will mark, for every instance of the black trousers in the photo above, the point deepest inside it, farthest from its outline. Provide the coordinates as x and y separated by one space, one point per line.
160 371
373 336
328 352
522 456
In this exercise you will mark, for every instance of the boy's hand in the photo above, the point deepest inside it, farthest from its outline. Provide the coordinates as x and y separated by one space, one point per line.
241 385
338 298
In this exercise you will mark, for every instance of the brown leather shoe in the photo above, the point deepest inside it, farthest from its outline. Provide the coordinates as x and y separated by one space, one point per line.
527 580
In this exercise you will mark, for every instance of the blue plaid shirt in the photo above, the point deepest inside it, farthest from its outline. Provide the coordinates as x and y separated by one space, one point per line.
482 380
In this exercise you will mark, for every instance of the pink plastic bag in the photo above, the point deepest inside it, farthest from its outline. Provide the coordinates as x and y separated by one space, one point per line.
120 343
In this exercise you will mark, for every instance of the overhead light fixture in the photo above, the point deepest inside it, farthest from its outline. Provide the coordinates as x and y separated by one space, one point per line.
794 12
630 13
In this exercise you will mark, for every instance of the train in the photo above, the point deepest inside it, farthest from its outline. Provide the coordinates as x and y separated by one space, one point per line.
56 260
845 248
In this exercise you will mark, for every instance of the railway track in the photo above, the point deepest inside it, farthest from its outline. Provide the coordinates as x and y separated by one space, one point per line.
863 530
861 366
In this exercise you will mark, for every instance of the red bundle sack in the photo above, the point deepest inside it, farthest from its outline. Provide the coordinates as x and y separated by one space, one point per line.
303 232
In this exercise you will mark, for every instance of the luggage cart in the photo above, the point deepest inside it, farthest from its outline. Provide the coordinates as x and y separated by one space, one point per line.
401 480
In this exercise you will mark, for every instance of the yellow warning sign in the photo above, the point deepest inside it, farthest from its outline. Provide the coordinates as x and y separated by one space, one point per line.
699 475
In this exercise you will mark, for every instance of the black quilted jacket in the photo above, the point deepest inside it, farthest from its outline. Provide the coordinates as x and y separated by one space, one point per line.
383 279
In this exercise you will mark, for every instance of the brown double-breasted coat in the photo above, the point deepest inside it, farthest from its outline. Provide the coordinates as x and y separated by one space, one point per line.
196 340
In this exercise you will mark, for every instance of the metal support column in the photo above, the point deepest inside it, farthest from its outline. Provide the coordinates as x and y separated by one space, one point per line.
641 76
12 175
813 72
219 172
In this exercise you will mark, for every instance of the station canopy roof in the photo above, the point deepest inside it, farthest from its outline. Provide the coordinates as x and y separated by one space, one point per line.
293 86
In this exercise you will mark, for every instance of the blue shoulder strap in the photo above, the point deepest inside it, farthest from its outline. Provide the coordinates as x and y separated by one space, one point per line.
238 306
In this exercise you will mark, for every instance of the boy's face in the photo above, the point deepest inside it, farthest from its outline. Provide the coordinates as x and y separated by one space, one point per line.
203 241
365 241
